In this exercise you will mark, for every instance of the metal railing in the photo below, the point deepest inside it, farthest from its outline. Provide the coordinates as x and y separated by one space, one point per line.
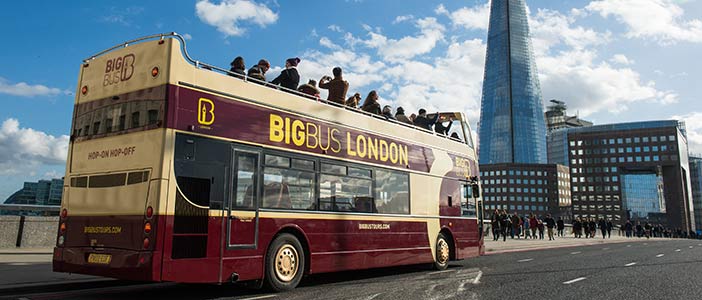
245 77
29 207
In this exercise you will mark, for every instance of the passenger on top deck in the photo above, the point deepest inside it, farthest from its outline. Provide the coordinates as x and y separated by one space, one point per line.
259 71
387 113
289 77
371 104
310 88
238 67
440 128
337 87
400 116
354 100
423 122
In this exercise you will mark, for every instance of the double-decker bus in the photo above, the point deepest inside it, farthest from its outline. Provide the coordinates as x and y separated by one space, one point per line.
179 172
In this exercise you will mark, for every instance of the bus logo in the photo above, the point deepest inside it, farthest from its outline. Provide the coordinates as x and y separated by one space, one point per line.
205 111
119 69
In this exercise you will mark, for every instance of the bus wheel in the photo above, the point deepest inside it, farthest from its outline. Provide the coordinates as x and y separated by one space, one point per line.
443 252
285 263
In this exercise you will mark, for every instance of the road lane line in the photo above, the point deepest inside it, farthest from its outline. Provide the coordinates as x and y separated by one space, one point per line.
439 272
462 288
574 280
630 264
576 252
645 244
525 260
677 250
699 245
605 249
260 297
477 278
373 296
660 255
628 246
690 247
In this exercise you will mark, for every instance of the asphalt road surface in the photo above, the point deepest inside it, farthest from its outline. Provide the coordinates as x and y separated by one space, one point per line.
670 269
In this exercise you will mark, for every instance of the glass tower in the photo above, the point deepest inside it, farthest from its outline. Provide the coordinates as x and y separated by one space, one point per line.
512 126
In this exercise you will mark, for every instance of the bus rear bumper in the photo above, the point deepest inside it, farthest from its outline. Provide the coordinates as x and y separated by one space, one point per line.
113 263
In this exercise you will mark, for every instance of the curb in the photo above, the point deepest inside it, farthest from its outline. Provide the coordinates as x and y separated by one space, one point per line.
545 247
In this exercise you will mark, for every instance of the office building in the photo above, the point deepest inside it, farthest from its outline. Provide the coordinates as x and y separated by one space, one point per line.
696 183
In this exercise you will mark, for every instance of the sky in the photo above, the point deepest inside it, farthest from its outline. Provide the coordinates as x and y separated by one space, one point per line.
610 60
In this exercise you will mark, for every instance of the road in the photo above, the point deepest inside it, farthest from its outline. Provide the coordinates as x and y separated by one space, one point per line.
668 269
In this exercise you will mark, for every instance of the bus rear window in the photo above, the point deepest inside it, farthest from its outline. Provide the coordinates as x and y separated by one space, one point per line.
120 114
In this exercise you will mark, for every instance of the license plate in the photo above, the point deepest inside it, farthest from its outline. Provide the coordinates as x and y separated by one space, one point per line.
103 259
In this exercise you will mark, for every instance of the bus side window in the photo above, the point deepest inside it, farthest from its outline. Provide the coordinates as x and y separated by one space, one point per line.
468 202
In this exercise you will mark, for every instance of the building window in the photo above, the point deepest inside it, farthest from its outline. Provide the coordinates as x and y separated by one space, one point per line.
645 139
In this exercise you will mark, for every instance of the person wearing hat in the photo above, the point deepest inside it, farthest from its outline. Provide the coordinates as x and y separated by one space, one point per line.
289 78
259 71
337 87
400 116
310 88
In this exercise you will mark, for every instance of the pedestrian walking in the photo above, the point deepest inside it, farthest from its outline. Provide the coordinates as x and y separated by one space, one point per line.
541 229
609 228
628 228
560 226
534 225
550 225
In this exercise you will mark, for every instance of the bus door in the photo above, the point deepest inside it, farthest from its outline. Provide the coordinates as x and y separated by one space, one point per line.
242 229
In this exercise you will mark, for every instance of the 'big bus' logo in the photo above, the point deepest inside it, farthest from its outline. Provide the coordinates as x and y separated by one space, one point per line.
119 69
205 111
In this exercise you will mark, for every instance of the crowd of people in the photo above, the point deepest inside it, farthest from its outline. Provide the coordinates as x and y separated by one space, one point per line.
503 224
289 78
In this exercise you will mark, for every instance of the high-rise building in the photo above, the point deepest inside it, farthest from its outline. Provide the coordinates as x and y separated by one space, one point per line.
696 183
43 192
636 171
558 122
512 126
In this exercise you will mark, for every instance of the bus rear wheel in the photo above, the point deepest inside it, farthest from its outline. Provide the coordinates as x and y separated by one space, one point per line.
285 263
443 252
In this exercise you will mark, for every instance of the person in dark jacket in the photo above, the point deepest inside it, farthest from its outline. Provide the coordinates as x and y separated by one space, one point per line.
423 122
505 225
603 228
495 222
258 71
628 228
238 68
577 228
310 88
515 225
440 128
371 104
560 226
400 116
354 100
387 113
289 78
593 227
337 87
550 224
609 228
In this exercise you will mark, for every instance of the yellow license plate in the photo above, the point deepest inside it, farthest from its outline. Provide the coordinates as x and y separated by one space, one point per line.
103 259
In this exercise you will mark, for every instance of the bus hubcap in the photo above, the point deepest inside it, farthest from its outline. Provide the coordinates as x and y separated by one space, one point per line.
443 248
286 263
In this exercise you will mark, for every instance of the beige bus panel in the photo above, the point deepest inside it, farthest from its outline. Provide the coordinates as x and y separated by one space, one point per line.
183 72
125 200
136 150
125 70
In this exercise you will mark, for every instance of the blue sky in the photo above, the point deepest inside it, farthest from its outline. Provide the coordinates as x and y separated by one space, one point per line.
610 60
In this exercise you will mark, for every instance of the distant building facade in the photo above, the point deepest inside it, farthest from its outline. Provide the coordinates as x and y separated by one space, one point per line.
43 192
636 171
696 183
558 122
527 188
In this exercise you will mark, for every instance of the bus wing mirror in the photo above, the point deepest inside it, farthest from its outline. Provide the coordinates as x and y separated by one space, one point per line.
476 191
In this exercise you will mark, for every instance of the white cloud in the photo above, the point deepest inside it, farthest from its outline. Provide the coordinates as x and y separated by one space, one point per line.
659 20
187 36
400 19
326 42
468 17
550 28
408 47
228 14
23 89
24 150
693 125
335 28
621 59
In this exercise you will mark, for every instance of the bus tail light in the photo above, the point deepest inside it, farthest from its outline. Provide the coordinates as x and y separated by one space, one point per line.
154 72
146 243
84 90
149 212
63 227
147 227
61 239
64 213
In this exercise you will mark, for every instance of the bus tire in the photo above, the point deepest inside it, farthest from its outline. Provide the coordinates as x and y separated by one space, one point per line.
443 252
285 263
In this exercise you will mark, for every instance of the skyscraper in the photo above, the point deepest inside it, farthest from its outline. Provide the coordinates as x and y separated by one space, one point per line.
512 126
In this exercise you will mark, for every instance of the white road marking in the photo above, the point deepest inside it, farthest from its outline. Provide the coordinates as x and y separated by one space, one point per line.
525 260
260 297
628 246
630 264
19 264
645 244
373 296
660 255
477 278
576 252
575 280
439 272
699 245
677 250
605 249
691 247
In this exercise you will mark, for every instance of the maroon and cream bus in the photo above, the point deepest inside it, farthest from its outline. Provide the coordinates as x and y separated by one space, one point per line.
179 172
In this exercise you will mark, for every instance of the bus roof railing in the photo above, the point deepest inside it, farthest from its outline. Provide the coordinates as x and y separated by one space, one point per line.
244 77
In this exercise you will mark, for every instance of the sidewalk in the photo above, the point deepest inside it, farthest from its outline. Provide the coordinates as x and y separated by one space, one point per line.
517 245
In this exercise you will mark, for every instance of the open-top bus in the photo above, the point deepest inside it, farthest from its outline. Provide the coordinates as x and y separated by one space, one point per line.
179 172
